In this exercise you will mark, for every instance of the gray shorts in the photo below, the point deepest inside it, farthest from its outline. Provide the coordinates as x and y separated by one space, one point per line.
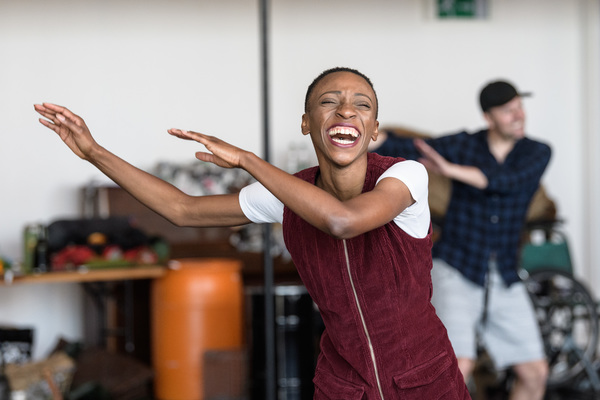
510 336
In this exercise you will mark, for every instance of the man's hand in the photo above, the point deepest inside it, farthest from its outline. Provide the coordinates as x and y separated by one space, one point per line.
436 163
432 160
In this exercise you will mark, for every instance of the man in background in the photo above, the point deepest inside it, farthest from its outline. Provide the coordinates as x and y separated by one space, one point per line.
477 292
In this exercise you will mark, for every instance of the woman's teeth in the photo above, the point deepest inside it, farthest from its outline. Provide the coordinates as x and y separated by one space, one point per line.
343 135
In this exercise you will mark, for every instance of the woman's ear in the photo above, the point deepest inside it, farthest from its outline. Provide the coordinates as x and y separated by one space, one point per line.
304 125
375 132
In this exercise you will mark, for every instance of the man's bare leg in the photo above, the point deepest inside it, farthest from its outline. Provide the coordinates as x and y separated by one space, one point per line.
531 380
466 366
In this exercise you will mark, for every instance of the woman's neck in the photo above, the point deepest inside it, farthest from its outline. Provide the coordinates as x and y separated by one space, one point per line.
343 183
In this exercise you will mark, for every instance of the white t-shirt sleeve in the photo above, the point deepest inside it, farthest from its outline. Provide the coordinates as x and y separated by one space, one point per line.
259 205
416 218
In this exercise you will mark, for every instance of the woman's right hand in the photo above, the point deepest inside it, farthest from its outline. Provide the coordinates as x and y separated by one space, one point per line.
70 127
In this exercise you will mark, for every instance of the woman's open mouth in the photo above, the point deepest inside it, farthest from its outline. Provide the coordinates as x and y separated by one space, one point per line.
343 135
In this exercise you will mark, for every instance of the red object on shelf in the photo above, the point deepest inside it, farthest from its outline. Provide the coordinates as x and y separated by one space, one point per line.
71 256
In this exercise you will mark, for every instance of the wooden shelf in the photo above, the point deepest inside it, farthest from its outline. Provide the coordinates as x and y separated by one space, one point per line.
94 275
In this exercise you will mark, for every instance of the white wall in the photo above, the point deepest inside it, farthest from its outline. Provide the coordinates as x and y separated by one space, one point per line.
133 69
591 96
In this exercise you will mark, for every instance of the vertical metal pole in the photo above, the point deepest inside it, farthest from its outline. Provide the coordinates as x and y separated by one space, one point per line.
129 318
270 382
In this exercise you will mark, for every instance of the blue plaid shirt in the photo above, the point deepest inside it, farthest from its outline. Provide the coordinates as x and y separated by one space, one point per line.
481 224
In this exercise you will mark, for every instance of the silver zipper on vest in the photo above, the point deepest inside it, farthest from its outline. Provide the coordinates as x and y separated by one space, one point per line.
362 318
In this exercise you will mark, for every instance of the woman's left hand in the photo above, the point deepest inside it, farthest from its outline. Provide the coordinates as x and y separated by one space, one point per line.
219 152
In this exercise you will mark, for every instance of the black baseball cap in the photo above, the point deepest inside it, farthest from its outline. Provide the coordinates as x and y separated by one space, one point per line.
498 93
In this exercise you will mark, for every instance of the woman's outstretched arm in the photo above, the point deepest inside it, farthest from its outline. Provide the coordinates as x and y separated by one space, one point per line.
160 196
339 218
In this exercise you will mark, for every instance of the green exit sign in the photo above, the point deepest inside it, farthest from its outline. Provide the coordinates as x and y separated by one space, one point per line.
462 8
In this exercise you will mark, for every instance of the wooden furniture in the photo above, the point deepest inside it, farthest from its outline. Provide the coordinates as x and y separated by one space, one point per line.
184 242
113 318
85 275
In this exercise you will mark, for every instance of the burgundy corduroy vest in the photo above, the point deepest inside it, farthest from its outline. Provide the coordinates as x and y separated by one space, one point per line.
374 291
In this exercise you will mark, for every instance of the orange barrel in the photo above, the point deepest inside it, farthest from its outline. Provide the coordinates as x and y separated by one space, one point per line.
197 306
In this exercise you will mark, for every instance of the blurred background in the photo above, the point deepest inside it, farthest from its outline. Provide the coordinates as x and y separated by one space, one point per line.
132 69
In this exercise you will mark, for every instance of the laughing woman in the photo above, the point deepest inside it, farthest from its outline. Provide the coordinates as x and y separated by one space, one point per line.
357 227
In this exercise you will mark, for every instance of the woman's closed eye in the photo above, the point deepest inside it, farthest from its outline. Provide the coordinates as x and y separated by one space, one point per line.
328 101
